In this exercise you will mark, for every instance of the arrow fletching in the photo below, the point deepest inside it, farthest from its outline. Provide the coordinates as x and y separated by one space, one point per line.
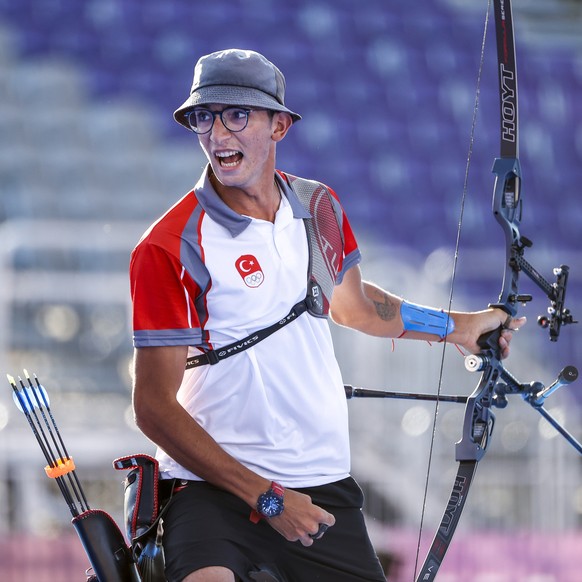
28 398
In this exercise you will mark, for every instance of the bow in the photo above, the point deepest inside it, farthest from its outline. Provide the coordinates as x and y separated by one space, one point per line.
496 382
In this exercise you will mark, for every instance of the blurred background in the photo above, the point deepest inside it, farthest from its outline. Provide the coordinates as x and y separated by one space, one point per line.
90 156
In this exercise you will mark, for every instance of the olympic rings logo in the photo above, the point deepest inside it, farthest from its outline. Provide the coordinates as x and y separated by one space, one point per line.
255 279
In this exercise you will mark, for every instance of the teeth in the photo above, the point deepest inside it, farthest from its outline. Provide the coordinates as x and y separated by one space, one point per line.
226 154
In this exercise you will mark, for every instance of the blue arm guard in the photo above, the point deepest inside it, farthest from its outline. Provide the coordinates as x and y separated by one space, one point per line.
427 320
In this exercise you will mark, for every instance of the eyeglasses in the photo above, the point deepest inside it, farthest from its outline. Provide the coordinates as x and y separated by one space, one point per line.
233 118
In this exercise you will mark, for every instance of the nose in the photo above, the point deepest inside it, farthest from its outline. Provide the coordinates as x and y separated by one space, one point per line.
218 131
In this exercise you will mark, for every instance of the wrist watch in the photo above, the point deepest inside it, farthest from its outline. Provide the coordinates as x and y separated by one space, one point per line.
270 503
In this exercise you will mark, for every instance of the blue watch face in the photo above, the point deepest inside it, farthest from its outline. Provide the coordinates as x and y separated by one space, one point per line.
270 504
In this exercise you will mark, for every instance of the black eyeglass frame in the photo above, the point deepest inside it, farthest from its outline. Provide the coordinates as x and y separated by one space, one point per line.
220 114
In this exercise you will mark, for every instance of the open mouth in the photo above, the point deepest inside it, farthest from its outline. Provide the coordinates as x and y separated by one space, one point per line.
229 159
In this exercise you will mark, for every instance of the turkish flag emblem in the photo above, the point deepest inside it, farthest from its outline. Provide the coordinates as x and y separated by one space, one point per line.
250 270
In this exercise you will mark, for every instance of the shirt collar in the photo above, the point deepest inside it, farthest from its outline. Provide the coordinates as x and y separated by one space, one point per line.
234 222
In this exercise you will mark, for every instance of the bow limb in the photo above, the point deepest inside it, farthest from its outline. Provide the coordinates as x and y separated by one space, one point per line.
507 202
477 429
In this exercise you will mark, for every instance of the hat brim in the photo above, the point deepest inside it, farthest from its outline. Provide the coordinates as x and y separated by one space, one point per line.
230 95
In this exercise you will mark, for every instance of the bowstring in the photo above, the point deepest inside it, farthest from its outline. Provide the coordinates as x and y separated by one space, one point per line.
453 278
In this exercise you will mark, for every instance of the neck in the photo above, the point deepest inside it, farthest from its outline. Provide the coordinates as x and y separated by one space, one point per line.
261 201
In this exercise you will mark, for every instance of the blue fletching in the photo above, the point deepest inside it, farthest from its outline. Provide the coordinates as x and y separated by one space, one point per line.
42 396
25 399
23 403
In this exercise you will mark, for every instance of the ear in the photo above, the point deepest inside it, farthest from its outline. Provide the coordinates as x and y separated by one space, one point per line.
281 123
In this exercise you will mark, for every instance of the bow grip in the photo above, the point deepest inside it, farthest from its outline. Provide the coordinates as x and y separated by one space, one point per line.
489 344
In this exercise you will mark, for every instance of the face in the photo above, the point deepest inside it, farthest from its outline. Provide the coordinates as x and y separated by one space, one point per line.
241 159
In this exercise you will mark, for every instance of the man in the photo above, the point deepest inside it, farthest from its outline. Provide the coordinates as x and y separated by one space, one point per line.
258 442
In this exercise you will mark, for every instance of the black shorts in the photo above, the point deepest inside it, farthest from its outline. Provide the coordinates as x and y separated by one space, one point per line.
206 526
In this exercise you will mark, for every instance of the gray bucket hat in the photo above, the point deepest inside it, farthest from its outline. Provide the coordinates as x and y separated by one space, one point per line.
236 77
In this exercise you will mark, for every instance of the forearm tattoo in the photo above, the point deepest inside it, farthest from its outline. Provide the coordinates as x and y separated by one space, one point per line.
385 309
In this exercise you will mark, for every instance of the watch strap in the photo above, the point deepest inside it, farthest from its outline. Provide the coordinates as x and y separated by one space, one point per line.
277 489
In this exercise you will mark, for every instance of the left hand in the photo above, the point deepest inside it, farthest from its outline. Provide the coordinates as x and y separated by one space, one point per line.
489 320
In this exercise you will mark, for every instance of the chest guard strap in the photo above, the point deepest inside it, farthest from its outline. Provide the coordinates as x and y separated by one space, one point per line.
325 238
214 356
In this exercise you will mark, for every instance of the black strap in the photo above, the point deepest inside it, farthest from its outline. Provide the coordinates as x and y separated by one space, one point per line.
214 356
